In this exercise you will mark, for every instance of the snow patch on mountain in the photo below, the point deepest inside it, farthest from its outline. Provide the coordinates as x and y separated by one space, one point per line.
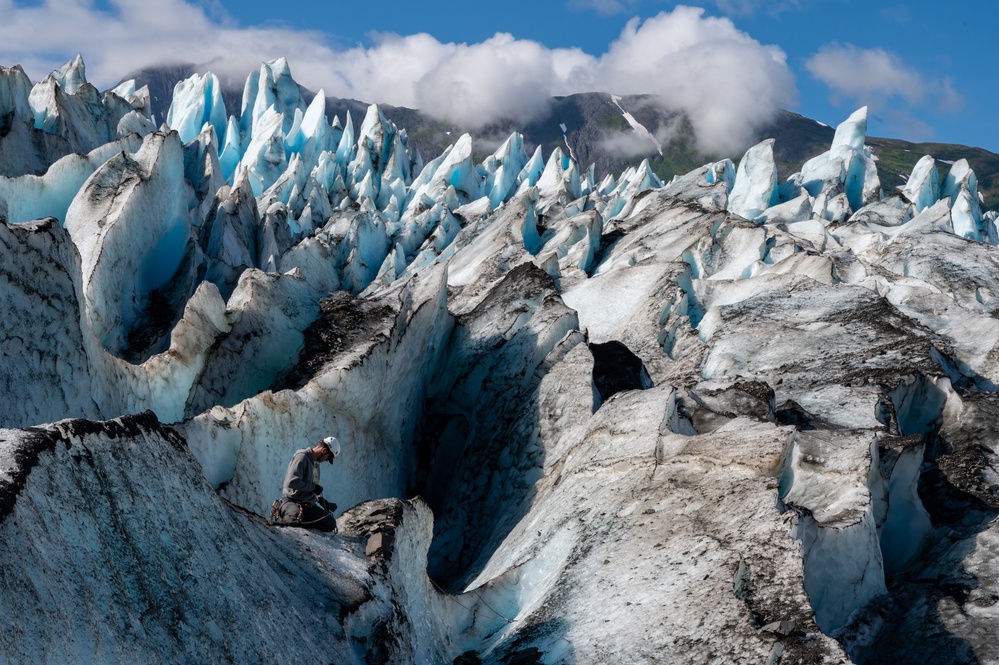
638 128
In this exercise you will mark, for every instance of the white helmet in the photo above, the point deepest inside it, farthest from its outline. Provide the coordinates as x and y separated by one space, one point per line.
333 444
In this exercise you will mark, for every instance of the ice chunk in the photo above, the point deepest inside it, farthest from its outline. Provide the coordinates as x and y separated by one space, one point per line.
80 118
551 177
378 135
755 187
797 209
723 171
229 236
363 251
345 148
232 151
316 135
272 87
510 160
848 168
852 132
707 186
961 187
454 168
644 178
14 90
892 210
30 197
125 89
134 122
961 176
923 186
264 158
268 313
72 75
533 169
966 216
197 101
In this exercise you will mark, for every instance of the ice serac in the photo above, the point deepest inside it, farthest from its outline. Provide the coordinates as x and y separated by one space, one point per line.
755 187
453 169
845 178
197 101
923 186
264 157
14 90
961 187
24 150
506 166
72 75
229 236
272 87
76 113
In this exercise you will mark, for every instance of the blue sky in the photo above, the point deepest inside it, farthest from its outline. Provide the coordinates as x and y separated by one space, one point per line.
927 75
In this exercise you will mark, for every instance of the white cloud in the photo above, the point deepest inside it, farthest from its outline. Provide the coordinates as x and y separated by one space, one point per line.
629 143
727 82
135 34
468 84
880 79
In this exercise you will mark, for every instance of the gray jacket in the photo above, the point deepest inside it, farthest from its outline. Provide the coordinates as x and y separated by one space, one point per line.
301 478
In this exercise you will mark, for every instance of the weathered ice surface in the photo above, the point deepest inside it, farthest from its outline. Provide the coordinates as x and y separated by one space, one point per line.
116 549
44 364
718 419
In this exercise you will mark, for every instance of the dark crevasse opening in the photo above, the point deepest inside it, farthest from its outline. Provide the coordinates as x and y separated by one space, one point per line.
158 310
607 242
479 451
616 369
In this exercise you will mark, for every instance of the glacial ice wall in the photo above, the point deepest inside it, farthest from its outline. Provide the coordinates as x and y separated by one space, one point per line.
721 417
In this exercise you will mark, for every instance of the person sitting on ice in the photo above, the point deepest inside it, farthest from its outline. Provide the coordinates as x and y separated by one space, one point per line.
301 502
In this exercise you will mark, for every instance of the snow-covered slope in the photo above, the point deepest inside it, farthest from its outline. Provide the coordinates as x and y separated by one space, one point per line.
719 419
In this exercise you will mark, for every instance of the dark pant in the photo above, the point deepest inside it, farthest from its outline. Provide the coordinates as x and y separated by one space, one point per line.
309 516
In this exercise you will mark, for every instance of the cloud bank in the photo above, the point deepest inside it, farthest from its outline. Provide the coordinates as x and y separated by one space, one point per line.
728 83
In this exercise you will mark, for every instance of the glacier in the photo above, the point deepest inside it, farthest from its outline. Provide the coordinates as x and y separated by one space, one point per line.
721 418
